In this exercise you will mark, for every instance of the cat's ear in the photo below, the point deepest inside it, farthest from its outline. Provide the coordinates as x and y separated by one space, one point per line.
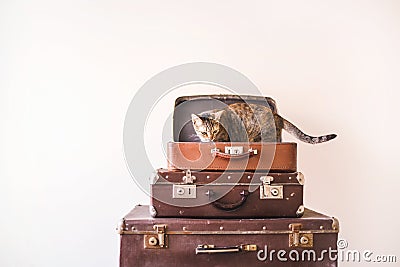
218 114
196 119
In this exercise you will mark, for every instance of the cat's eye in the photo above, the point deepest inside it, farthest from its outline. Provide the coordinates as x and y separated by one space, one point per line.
204 133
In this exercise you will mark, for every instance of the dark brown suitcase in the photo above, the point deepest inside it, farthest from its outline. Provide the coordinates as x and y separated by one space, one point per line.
274 157
186 105
226 194
309 241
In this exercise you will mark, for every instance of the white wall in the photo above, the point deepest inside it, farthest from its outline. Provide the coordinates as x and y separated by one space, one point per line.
69 69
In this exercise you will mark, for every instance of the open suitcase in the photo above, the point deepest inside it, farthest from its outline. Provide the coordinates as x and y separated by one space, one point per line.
186 105
187 152
214 194
309 241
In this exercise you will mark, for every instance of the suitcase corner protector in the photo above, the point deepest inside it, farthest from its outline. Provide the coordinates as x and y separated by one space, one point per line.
335 224
121 226
153 211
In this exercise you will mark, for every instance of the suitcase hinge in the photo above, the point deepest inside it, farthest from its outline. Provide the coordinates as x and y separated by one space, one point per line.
298 239
268 191
158 239
189 178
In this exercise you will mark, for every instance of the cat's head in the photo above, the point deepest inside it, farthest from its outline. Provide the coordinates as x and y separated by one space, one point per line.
207 125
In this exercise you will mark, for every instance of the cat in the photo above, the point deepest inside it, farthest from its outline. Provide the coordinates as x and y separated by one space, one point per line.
242 122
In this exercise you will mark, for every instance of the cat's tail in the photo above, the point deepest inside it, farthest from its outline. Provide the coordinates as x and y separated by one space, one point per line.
296 132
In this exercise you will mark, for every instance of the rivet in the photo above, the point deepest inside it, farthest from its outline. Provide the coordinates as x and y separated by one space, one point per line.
264 228
287 198
321 227
133 228
221 228
166 177
184 228
248 177
208 176
181 212
292 194
290 177
229 177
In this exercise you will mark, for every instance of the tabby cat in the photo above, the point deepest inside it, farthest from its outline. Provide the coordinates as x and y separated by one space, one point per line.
242 122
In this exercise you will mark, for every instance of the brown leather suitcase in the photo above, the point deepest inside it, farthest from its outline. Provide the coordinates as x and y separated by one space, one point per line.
226 194
186 105
309 241
186 152
275 157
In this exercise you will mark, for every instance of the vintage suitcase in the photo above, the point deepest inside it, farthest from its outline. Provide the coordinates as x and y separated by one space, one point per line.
226 194
309 241
186 152
186 105
275 157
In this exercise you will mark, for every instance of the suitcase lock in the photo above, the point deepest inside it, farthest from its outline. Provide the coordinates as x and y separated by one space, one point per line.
298 239
186 190
268 191
158 239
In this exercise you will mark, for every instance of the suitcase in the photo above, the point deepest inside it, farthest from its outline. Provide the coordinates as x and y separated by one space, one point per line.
186 152
274 157
226 194
186 105
309 241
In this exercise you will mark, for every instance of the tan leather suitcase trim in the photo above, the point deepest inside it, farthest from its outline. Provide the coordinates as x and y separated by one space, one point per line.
199 156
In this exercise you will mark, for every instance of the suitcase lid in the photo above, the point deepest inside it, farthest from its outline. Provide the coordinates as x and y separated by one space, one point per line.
139 221
230 99
186 105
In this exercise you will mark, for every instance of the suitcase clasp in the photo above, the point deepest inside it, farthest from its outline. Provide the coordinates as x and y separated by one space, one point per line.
298 239
268 191
158 239
189 178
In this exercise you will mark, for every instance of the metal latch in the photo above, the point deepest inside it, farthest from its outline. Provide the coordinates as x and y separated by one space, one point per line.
298 239
158 239
186 190
268 191
189 178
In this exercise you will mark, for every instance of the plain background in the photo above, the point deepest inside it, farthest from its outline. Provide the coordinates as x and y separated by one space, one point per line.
69 69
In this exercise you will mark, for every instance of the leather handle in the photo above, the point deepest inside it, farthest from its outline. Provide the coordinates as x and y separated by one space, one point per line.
228 206
211 249
249 153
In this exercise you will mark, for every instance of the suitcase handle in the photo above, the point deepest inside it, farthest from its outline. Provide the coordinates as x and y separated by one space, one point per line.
211 249
249 153
228 206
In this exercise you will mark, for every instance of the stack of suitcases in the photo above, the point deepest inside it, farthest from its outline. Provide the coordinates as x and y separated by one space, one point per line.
226 204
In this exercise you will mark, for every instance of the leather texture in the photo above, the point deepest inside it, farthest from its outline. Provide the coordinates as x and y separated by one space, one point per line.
276 157
227 195
185 234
